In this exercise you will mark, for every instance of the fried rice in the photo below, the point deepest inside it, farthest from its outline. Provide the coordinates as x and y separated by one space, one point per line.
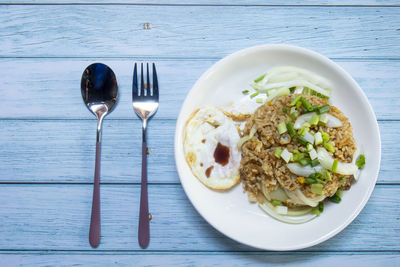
262 172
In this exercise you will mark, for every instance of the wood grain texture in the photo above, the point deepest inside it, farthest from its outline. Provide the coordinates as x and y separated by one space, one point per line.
63 151
48 136
194 31
32 221
52 86
237 259
217 2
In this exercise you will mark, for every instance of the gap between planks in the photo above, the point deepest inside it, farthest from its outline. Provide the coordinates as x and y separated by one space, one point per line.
175 58
194 252
194 5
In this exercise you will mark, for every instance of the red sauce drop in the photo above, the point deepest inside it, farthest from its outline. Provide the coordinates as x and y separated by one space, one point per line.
203 141
201 164
221 154
208 171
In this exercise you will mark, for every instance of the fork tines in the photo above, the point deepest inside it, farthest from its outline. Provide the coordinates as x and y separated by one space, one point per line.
146 90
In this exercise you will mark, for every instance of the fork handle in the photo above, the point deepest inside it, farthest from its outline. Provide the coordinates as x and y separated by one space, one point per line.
144 224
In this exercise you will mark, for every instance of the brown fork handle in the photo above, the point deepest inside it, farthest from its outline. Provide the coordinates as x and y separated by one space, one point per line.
144 227
94 233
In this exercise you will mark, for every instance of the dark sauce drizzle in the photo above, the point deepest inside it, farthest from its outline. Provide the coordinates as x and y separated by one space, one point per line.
221 154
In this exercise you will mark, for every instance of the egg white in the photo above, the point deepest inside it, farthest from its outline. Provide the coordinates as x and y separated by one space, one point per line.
207 127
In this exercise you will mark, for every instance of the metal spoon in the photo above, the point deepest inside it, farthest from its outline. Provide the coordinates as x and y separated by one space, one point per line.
99 92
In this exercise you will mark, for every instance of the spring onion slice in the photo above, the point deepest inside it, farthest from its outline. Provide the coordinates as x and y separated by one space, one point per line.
294 83
303 171
286 218
313 202
332 121
287 73
326 161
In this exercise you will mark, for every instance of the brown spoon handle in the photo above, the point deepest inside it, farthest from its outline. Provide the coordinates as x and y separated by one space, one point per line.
94 233
144 227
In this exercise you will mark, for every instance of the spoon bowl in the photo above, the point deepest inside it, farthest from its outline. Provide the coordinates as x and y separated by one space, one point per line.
99 90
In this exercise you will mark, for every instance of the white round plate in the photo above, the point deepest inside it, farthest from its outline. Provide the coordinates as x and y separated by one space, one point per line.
230 212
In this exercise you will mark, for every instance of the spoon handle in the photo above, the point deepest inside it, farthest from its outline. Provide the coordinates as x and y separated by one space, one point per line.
94 233
144 225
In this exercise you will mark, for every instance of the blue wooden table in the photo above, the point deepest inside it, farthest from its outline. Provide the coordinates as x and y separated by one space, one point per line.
47 136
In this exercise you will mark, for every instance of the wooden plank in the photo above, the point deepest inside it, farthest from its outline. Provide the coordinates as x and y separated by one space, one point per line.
63 151
76 30
52 86
237 259
215 2
56 217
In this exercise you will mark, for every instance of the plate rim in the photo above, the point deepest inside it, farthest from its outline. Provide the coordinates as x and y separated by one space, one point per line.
325 60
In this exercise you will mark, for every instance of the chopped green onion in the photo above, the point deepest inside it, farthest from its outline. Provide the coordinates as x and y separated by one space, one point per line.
298 104
310 181
290 129
334 165
321 206
361 161
326 175
329 147
302 131
309 147
314 162
260 78
306 104
292 89
297 156
281 128
339 193
276 202
304 111
259 100
335 198
317 189
325 137
315 175
314 120
295 100
245 92
304 161
323 109
342 180
304 128
284 109
315 211
293 113
254 94
321 181
278 152
313 155
317 138
301 140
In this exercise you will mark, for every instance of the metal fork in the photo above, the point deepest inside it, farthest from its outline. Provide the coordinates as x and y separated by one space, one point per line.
145 104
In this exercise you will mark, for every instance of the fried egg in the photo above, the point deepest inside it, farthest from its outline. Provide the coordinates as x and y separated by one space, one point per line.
210 148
